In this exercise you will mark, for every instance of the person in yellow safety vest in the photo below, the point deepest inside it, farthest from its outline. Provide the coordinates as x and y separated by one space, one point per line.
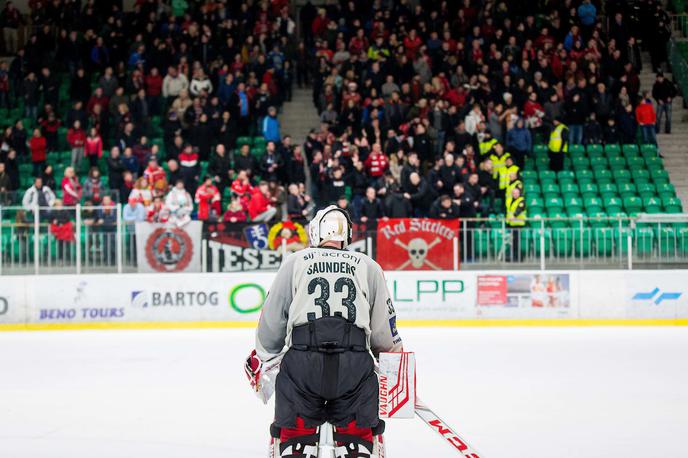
506 171
498 158
514 182
486 145
558 145
516 220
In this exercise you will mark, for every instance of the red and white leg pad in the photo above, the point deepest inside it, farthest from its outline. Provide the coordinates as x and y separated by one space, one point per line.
299 442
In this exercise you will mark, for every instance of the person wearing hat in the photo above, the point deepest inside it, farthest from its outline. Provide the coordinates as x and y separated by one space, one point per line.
663 91
558 145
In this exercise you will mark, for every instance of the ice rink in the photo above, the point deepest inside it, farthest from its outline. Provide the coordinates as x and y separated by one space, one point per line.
513 392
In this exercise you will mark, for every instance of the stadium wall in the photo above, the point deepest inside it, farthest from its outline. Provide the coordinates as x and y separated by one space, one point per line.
422 298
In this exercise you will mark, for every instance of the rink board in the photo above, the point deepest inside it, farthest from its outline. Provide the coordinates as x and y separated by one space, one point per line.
422 298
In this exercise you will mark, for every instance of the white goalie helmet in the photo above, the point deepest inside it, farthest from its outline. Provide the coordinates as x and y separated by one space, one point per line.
330 224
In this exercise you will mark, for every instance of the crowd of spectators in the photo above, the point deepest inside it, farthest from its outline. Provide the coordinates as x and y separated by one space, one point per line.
149 104
426 108
432 108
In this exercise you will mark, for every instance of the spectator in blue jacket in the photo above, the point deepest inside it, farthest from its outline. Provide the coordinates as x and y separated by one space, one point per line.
519 142
588 15
133 211
271 126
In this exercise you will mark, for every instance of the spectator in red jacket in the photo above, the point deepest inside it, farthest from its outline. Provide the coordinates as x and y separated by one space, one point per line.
208 200
93 147
154 173
235 212
376 163
241 187
153 82
259 207
71 189
38 146
76 137
646 117
50 126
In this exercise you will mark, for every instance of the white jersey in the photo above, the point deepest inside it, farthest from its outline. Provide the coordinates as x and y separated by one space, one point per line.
318 282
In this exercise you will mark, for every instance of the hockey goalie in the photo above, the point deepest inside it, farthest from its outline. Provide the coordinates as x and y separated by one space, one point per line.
327 311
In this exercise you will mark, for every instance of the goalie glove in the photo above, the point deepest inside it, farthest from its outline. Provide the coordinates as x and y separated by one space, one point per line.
261 375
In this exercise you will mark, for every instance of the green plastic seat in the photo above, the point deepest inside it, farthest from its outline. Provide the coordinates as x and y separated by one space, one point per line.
612 150
603 239
532 188
565 175
557 218
569 188
602 175
632 204
648 150
592 204
540 150
584 175
621 176
612 204
627 190
659 174
621 235
666 190
576 150
682 241
608 189
652 204
666 241
573 202
567 182
640 176
582 241
562 237
635 163
548 175
551 188
644 241
541 237
534 201
646 190
594 150
589 190
598 162
554 204
576 215
654 162
631 147
580 163
529 175
672 204
617 163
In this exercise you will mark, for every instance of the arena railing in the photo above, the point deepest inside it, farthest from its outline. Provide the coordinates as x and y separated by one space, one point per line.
77 240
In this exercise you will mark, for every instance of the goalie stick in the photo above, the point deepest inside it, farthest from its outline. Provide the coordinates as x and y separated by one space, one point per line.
435 423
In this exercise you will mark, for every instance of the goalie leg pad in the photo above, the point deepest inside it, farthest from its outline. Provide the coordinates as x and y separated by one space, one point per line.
298 442
353 442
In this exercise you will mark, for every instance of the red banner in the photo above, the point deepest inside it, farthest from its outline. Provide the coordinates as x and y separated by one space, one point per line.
416 244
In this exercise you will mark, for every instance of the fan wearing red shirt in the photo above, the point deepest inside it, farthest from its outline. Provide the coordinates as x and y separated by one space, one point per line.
154 173
242 188
259 207
376 163
412 43
208 198
38 145
76 137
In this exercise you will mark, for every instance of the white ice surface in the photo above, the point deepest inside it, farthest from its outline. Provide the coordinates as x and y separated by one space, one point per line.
513 392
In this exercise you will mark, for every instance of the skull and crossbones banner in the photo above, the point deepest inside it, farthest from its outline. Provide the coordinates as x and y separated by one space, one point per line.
416 243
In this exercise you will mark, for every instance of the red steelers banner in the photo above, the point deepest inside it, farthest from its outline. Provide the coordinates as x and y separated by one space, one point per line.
416 243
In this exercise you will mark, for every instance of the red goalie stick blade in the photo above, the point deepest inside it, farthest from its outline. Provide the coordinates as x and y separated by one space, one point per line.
448 434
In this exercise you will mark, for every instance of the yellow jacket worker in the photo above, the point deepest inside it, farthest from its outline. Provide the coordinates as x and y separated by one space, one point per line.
558 145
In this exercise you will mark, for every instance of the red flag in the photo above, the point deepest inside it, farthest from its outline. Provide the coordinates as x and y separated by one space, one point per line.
416 244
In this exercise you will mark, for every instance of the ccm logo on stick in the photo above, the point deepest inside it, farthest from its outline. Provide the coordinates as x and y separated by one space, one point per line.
451 438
